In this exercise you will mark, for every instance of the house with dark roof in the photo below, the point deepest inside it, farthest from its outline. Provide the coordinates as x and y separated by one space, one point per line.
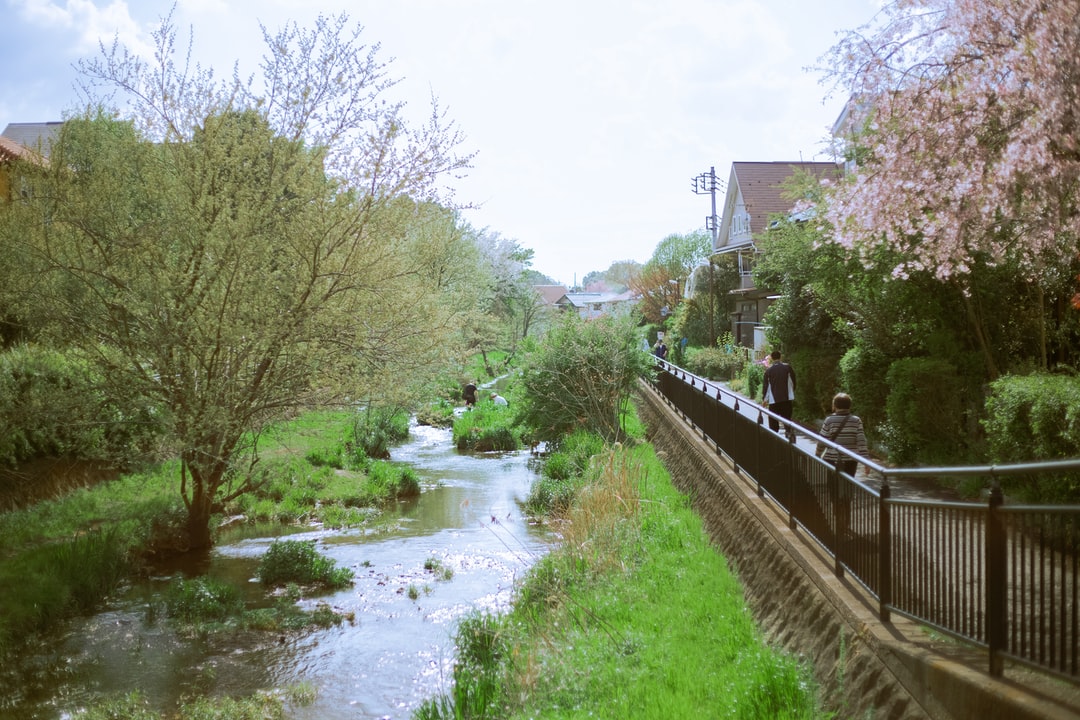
755 195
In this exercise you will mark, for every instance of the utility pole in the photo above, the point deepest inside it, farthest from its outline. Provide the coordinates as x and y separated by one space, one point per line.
702 184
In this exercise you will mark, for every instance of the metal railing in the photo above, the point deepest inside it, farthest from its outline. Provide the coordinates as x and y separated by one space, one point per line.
1002 576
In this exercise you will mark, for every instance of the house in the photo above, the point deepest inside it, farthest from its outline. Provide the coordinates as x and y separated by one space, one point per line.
591 305
755 195
551 294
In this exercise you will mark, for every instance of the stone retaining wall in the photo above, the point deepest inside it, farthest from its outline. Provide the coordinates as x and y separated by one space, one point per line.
866 669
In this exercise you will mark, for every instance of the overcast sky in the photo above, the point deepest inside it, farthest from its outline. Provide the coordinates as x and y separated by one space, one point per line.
589 117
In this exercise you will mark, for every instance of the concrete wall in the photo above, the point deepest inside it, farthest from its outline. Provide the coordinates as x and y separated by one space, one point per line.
866 669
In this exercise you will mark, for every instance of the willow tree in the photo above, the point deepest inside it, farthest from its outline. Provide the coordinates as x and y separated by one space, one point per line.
231 251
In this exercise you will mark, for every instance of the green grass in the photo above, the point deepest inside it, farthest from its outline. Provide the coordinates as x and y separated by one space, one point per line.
635 615
487 427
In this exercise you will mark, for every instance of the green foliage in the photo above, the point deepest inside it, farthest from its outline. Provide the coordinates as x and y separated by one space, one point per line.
203 599
388 480
375 429
582 376
1032 418
487 427
754 379
703 316
925 412
297 561
563 473
52 404
717 363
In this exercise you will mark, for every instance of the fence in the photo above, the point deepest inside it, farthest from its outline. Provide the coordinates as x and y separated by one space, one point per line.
1001 576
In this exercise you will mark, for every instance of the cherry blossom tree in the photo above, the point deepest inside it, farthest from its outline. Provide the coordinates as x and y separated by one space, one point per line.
968 131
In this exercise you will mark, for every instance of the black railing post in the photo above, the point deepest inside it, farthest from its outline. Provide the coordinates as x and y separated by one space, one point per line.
884 551
839 519
996 627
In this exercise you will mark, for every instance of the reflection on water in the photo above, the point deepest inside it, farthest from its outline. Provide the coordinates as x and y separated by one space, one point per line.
396 652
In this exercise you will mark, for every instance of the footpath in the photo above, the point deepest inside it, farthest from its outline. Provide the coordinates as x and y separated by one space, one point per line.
866 668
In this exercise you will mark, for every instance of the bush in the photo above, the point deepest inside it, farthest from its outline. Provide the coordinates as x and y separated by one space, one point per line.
925 412
204 599
1032 418
376 429
582 376
51 405
296 561
717 363
563 474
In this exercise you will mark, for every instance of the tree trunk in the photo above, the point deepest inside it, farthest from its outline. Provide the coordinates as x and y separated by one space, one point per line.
199 506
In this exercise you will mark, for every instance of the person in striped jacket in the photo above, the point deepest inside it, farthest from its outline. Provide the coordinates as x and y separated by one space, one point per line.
846 430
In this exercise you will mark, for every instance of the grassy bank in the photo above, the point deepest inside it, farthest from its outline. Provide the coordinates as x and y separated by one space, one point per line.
62 556
635 615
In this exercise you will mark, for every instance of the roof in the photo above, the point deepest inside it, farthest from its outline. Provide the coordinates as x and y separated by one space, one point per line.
551 293
11 150
761 186
34 136
584 299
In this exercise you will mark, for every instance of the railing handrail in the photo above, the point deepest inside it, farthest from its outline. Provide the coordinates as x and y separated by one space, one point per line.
1001 576
887 471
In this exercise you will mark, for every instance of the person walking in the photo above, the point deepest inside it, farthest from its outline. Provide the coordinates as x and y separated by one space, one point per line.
661 350
845 430
778 392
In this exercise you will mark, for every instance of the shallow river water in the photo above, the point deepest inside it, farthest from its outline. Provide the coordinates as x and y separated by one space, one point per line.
396 652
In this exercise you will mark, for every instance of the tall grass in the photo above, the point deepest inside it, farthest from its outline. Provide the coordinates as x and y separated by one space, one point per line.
635 615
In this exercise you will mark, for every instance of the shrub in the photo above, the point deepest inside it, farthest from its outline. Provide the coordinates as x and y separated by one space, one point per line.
296 561
582 376
925 412
52 405
375 429
717 363
1032 418
203 599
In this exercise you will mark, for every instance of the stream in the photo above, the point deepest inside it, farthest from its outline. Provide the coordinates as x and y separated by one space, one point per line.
398 649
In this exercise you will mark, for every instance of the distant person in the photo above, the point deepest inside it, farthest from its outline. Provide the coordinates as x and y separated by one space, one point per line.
778 392
499 400
661 350
845 430
469 394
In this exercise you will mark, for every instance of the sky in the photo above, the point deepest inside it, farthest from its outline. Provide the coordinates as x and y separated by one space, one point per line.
588 118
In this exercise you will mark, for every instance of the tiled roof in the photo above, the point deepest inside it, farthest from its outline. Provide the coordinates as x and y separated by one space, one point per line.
761 185
11 150
551 293
35 136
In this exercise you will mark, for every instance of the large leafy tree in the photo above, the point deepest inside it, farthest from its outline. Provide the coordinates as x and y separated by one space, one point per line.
232 253
662 282
969 147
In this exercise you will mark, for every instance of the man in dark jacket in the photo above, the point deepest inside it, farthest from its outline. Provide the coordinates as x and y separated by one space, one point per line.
778 391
